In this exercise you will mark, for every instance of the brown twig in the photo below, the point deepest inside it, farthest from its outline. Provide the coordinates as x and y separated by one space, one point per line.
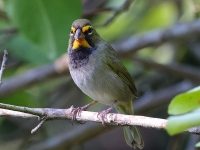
3 65
39 125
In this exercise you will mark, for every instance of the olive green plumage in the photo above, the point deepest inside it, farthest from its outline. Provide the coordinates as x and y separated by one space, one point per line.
97 70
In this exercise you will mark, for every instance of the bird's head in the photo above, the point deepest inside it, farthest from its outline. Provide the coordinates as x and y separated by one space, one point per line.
82 34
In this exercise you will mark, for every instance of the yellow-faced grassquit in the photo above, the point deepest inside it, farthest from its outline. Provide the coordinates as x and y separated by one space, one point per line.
98 71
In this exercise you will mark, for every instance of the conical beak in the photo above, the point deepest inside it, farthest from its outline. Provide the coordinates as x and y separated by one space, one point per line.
79 35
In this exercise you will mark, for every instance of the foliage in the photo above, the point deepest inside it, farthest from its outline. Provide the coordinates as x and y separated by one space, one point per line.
43 36
187 110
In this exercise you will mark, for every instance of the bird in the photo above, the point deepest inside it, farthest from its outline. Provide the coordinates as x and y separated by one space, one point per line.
97 70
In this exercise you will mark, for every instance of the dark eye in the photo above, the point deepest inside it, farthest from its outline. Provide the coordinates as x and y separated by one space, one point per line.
71 33
89 31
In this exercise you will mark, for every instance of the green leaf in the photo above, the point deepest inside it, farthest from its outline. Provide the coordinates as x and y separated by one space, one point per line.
25 50
198 144
46 23
185 102
177 124
22 98
160 16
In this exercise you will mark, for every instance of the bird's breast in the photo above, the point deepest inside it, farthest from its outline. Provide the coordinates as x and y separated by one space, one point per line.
79 57
98 81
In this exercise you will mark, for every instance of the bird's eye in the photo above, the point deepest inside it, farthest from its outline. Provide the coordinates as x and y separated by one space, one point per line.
89 31
72 32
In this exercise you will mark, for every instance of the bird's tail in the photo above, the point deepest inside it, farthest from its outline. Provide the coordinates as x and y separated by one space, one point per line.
131 133
133 137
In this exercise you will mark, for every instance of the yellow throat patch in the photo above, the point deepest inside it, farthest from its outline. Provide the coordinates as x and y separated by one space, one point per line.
79 43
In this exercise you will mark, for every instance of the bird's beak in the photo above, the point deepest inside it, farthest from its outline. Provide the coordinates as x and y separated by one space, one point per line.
79 35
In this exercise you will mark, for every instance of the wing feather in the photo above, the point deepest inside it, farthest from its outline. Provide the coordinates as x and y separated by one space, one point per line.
118 67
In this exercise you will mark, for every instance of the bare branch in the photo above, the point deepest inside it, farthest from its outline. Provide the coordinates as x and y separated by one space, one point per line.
179 70
17 114
3 65
125 6
27 79
111 118
152 100
156 37
37 75
39 125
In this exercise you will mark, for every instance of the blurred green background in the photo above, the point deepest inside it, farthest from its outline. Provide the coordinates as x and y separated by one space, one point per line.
35 33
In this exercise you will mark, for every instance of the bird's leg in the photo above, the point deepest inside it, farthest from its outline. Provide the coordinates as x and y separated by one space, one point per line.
76 111
103 113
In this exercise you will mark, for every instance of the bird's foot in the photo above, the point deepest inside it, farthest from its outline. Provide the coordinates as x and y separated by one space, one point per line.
103 114
78 110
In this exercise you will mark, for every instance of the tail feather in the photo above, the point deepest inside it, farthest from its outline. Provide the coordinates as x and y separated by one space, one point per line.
131 133
133 137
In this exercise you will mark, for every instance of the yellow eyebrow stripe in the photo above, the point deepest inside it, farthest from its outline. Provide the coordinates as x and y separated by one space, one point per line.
85 28
73 29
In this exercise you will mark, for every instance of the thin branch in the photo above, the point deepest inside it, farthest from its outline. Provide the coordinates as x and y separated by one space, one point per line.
3 65
39 125
152 100
35 111
125 6
34 76
179 70
17 114
156 37
111 118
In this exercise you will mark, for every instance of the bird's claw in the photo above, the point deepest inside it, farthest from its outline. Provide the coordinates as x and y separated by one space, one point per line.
102 115
75 112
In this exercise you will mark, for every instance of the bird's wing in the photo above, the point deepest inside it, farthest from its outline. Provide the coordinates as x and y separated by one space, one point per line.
117 66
